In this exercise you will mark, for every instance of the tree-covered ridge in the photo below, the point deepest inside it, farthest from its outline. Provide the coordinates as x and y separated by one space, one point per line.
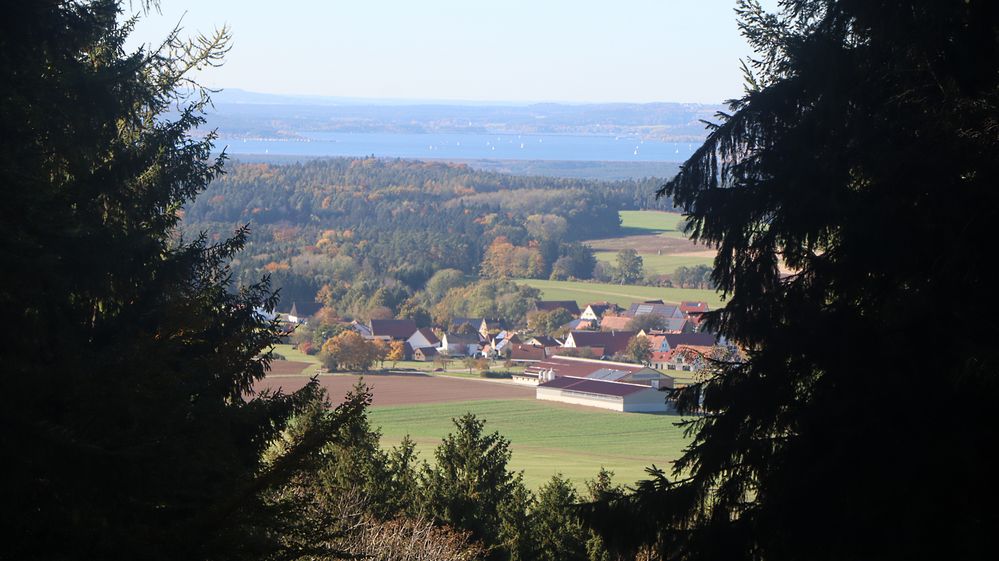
361 225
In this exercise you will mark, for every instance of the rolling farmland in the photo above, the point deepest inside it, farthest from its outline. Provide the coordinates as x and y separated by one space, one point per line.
657 237
547 438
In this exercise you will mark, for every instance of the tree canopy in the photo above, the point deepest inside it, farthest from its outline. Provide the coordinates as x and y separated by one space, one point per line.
131 429
862 158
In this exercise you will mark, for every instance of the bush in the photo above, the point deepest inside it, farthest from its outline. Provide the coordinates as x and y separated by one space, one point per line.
494 374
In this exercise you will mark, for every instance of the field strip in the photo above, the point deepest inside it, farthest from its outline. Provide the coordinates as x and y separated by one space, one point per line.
602 292
705 253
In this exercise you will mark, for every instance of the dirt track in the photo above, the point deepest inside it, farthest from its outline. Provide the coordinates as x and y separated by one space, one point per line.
406 389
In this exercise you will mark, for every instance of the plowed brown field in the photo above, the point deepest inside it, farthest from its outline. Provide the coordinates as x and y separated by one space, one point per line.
393 389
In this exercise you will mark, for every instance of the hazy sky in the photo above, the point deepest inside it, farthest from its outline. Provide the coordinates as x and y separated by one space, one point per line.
506 50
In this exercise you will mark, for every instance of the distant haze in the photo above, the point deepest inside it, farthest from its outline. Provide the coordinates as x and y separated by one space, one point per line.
460 50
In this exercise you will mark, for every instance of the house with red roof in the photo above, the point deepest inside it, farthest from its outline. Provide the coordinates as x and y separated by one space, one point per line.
612 342
614 323
392 329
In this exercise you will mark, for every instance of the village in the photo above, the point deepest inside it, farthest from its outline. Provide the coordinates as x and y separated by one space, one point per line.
605 356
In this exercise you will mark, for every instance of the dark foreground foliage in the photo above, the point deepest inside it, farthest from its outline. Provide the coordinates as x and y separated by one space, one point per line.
129 428
865 155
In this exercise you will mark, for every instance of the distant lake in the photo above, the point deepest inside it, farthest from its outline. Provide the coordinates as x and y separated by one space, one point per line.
468 146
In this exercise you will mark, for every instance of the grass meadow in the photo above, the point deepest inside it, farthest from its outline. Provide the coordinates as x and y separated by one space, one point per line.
586 292
546 438
661 264
635 222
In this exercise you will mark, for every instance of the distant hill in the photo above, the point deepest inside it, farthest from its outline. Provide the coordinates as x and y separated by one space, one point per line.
239 113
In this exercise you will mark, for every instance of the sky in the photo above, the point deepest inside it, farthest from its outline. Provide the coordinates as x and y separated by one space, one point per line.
470 50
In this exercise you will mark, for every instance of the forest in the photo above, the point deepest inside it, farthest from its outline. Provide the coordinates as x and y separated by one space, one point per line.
371 232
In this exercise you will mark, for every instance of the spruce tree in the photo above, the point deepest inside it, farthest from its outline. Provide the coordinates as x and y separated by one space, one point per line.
862 160
131 429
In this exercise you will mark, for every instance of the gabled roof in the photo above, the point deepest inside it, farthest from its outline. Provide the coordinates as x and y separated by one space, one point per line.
474 322
393 328
600 308
577 324
616 323
491 324
364 330
549 305
456 339
613 342
304 309
694 339
653 307
546 341
599 387
527 352
429 335
656 340
694 307
661 356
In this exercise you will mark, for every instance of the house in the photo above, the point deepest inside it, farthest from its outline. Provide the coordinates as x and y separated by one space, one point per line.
695 312
616 396
544 341
425 354
656 340
489 327
454 344
691 308
598 370
683 358
300 313
654 307
502 341
674 340
527 355
551 305
577 324
594 312
392 329
423 337
456 323
364 330
612 342
614 323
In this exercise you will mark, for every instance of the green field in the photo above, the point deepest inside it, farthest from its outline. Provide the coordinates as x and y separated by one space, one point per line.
636 222
546 438
623 295
662 264
291 353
